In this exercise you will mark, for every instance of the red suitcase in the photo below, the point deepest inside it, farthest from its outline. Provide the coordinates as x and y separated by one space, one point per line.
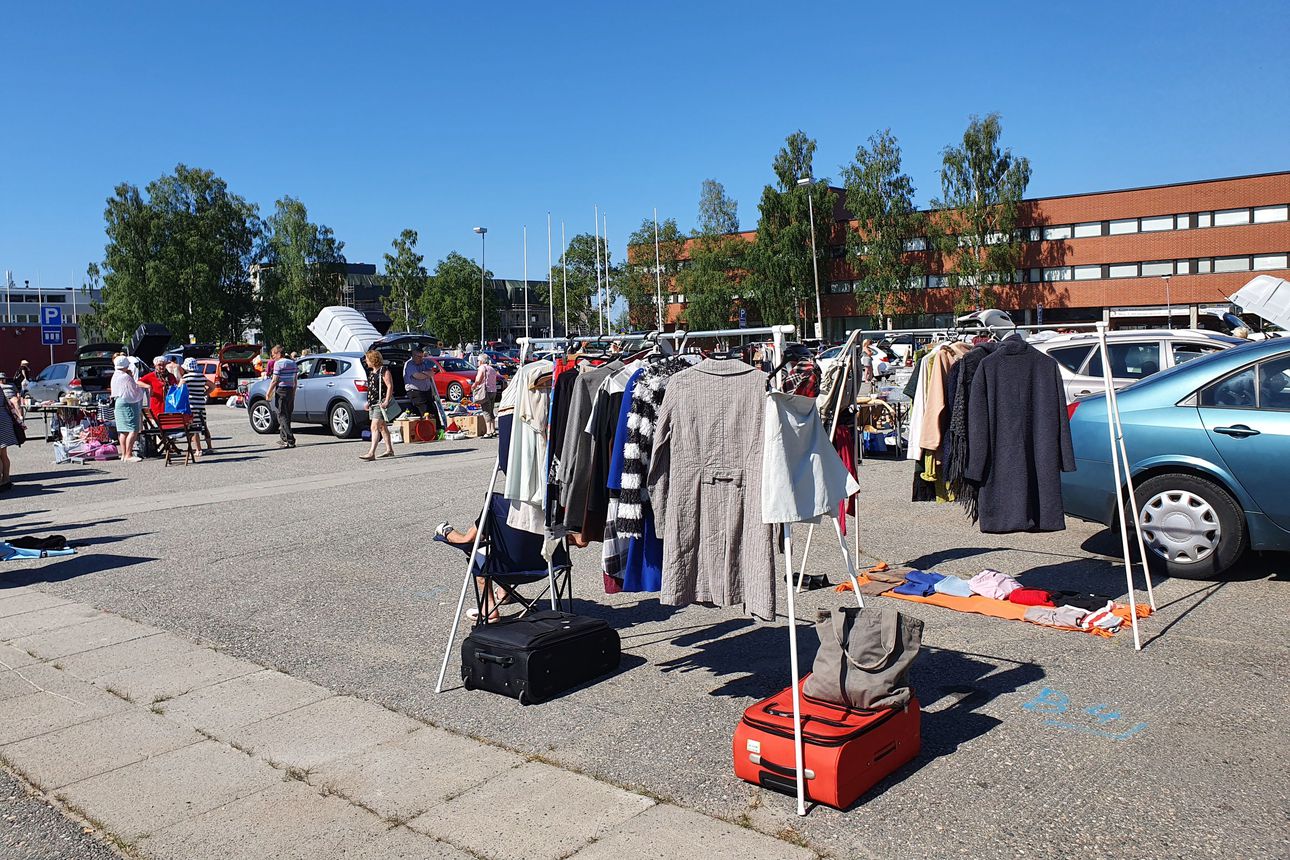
845 752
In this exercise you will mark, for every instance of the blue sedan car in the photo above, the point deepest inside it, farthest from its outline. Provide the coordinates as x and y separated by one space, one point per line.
1209 451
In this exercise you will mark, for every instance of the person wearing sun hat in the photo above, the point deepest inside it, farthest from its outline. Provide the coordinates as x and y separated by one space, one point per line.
129 395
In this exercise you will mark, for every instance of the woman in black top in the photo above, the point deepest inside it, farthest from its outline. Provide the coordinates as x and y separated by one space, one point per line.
380 403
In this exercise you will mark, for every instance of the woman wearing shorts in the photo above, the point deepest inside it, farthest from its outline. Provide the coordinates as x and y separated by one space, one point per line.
381 407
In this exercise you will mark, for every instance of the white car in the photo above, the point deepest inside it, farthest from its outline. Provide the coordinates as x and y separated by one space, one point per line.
1134 355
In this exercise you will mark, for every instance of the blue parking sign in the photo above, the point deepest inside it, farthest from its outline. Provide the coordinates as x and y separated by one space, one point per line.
51 315
51 336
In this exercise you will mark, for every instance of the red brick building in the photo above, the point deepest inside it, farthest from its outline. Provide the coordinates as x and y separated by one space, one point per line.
1120 255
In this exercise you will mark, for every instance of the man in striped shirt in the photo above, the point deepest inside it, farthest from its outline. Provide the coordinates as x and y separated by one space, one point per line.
282 394
197 388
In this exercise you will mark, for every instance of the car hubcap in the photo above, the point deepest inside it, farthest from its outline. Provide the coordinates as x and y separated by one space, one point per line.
1180 527
261 418
454 393
340 422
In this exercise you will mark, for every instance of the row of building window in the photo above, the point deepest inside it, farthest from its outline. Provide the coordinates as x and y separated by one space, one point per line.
1126 226
1096 272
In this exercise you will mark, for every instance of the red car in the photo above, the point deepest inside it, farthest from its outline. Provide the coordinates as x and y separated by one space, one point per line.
454 377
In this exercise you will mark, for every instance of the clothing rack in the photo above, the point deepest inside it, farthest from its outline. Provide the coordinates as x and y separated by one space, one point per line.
1115 433
778 333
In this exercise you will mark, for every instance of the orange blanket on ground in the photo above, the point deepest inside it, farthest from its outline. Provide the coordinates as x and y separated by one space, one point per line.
1009 611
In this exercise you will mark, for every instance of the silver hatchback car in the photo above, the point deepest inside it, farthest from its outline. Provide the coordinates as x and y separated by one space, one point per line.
331 391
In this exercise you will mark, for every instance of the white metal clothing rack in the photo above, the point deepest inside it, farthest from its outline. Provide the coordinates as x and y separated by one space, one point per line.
1115 432
777 334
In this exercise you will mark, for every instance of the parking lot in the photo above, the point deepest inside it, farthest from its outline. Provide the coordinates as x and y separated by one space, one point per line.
1036 743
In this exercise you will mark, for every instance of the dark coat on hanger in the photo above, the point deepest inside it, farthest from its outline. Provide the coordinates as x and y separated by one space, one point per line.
1019 440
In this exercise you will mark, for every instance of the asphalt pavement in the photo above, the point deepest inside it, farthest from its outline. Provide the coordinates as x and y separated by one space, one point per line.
1036 743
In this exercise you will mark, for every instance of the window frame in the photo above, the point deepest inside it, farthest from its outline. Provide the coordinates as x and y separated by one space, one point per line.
1096 355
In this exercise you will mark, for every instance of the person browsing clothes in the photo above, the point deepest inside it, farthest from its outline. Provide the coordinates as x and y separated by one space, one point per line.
486 393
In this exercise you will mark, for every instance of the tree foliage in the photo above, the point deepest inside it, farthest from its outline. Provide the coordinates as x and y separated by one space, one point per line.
880 196
177 254
450 303
781 271
580 258
975 223
405 277
303 271
718 212
639 281
718 259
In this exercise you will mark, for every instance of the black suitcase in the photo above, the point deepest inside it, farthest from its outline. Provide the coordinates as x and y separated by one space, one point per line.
538 656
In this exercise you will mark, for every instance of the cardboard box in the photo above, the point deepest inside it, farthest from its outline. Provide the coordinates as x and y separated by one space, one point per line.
414 430
472 425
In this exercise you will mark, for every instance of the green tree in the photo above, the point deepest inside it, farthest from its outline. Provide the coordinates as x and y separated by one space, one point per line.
302 271
405 275
975 219
178 255
580 258
639 281
881 198
718 260
450 302
781 272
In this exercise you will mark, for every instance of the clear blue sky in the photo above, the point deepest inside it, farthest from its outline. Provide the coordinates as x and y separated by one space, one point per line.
439 116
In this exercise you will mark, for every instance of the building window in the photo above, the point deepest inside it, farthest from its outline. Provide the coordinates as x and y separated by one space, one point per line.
1204 267
1268 214
1184 267
935 282
840 286
1269 261
1092 228
1035 234
1184 222
1061 273
1157 223
918 243
1088 273
1063 232
1124 225
1231 217
1123 270
1231 264
1204 219
1157 268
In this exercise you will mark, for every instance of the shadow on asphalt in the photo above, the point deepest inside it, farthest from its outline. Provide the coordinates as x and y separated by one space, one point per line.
75 472
27 528
23 490
68 567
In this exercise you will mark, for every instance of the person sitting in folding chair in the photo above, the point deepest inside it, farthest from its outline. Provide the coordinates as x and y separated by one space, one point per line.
507 558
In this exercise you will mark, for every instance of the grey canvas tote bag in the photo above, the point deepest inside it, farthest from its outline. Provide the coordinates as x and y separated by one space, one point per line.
864 658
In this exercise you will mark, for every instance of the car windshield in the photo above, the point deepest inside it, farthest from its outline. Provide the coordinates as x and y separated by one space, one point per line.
95 354
458 365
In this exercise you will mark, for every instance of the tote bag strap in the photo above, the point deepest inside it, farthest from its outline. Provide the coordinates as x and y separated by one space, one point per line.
843 624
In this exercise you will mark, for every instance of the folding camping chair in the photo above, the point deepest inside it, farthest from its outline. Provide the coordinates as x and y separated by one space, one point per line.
508 558
173 428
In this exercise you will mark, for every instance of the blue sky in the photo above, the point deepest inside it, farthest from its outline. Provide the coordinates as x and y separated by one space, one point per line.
437 116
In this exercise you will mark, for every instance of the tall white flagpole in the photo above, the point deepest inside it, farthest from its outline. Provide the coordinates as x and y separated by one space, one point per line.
564 265
550 296
609 311
600 309
658 274
526 280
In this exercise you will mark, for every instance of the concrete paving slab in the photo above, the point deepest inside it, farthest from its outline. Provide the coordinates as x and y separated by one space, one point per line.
28 601
78 752
132 654
665 832
287 821
243 700
16 591
99 632
534 812
166 679
403 778
65 703
28 623
13 658
316 734
404 844
30 679
145 797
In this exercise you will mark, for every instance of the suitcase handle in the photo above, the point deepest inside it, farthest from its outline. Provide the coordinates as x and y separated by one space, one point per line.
780 769
837 723
484 657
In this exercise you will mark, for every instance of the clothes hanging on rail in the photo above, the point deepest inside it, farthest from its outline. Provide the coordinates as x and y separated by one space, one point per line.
954 446
1019 440
647 398
803 479
564 380
576 451
704 482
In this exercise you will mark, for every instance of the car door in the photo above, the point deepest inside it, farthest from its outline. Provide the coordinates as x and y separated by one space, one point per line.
1247 416
307 390
50 382
1130 361
1070 359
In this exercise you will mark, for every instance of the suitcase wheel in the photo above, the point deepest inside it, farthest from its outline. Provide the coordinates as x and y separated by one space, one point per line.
467 683
523 698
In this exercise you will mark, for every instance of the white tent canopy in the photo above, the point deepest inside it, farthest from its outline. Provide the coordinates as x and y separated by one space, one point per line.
1266 296
342 329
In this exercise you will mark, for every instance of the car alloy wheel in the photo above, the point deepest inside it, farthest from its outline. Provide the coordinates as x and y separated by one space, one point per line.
456 393
1180 527
341 419
262 417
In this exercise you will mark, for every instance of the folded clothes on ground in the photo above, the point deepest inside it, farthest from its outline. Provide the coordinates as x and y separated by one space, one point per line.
33 542
1082 599
1056 616
919 583
955 586
1031 597
8 552
1102 619
992 583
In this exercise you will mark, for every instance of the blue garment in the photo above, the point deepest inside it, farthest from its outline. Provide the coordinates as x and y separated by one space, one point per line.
620 435
8 552
919 583
643 570
955 586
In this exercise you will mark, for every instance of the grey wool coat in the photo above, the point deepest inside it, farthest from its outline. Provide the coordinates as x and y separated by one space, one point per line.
705 486
1019 440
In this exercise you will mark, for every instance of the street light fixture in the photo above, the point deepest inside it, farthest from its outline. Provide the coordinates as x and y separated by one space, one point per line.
806 182
1169 305
481 231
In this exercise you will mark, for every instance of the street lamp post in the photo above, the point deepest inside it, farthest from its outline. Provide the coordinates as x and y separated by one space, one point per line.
482 231
806 182
1169 305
